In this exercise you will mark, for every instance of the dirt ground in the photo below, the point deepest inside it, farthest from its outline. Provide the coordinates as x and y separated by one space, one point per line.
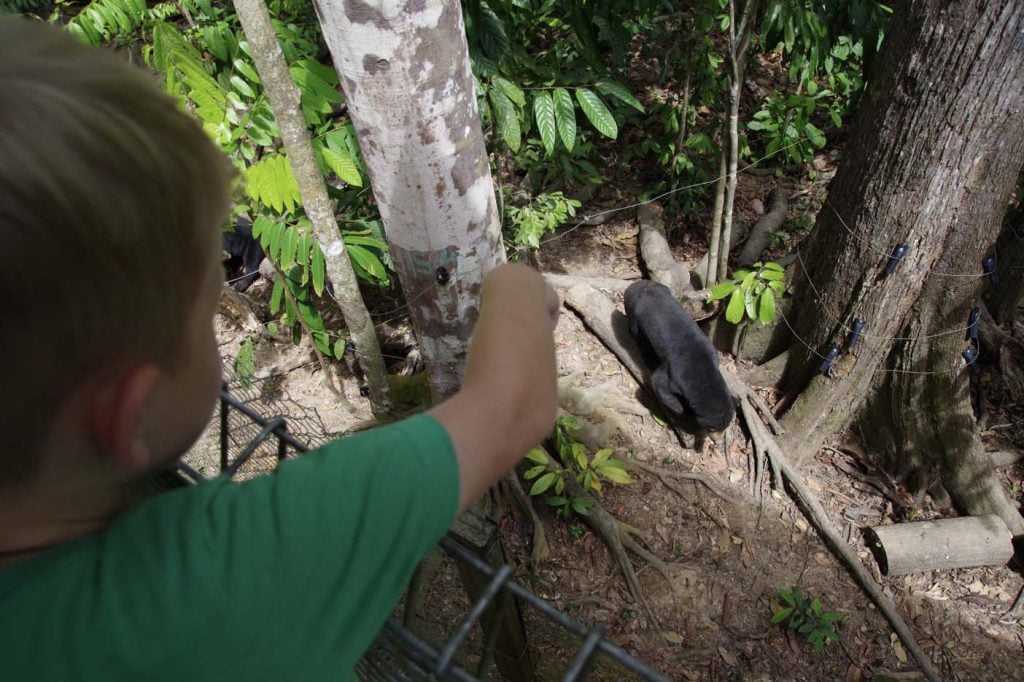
727 560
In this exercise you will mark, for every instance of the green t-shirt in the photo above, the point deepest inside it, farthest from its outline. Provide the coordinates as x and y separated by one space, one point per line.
285 577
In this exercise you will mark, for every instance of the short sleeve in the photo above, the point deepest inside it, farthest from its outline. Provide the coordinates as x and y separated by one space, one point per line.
316 555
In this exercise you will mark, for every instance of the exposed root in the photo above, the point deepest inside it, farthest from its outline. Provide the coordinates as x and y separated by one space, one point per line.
619 537
668 478
540 551
764 442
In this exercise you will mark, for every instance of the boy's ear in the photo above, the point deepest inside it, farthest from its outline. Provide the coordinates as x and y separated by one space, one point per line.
117 408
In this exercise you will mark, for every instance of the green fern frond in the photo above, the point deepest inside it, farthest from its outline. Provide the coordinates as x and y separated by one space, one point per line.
108 20
271 182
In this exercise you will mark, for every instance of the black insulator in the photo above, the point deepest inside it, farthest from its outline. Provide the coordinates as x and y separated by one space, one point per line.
972 323
970 355
858 328
989 264
826 364
441 276
897 255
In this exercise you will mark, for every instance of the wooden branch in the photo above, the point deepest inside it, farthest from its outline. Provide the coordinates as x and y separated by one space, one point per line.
940 544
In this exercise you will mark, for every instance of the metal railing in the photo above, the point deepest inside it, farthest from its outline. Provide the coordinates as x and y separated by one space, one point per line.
401 654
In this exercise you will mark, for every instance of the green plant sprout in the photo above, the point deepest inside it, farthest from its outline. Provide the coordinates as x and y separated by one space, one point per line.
589 472
806 616
751 291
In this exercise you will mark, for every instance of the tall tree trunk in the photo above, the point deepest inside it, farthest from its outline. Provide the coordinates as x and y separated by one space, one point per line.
710 270
406 75
284 100
940 140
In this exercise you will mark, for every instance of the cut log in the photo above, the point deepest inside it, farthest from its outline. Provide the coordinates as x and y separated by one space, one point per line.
760 234
661 266
941 544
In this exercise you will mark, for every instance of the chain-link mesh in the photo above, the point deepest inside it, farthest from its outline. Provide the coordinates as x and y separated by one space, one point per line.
450 634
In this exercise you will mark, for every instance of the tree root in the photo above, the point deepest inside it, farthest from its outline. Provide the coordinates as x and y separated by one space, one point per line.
619 537
540 550
763 442
668 477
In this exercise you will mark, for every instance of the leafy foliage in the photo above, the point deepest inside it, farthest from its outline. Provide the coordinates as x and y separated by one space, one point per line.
807 617
751 292
245 366
589 472
543 215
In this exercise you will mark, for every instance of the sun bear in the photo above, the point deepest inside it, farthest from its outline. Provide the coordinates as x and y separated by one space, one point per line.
685 376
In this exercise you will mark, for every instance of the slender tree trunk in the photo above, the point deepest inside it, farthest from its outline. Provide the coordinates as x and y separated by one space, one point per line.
940 144
284 99
710 271
406 75
739 41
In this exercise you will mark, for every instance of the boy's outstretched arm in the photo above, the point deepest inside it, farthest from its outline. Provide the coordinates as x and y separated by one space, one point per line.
508 397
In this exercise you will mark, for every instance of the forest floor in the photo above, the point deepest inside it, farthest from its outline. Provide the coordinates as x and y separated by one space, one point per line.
728 560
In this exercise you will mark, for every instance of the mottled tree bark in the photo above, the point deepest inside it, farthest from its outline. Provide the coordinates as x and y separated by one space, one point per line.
406 75
937 150
284 99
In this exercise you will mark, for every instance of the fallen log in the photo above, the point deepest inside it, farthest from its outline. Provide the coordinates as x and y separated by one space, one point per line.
941 544
661 266
757 240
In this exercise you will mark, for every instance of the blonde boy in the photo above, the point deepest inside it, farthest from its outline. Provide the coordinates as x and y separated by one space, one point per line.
111 203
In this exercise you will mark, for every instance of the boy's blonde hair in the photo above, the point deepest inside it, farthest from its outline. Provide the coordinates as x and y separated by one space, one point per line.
109 200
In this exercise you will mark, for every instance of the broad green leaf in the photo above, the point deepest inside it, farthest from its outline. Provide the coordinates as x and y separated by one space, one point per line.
242 87
276 234
506 119
816 137
720 291
534 472
544 113
275 297
343 166
245 366
289 246
543 483
597 113
771 275
565 117
750 303
582 505
766 307
537 456
272 329
339 348
300 295
734 311
781 615
259 225
617 475
319 269
621 93
367 261
579 455
601 456
510 89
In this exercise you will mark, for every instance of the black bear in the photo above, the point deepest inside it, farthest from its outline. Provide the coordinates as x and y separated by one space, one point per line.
685 378
243 251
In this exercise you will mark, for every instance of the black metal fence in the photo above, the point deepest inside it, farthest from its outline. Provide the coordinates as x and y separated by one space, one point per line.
485 633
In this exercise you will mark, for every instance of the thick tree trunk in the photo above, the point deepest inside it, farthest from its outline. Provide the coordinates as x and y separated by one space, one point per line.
284 99
405 71
940 139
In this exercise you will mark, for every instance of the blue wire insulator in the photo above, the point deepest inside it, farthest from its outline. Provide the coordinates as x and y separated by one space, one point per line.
989 264
897 255
858 328
970 355
972 324
826 364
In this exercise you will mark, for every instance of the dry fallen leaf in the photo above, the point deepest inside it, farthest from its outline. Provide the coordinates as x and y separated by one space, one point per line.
672 637
728 657
897 648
